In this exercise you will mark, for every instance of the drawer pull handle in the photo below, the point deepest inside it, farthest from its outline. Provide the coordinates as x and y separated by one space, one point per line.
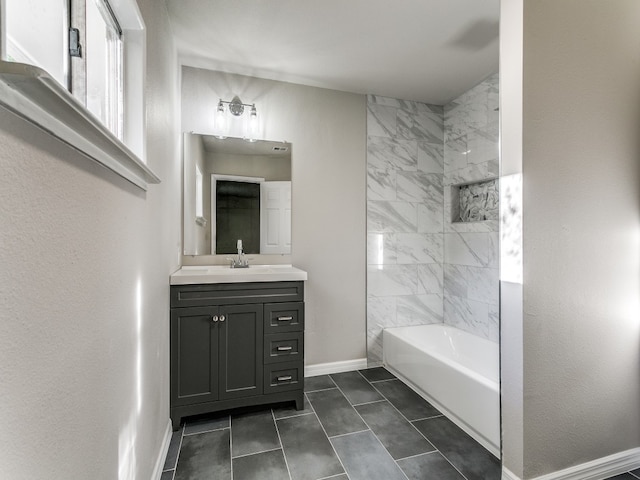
284 349
285 319
284 378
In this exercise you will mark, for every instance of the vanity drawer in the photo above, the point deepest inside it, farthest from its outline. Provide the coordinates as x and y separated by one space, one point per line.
284 317
283 347
282 377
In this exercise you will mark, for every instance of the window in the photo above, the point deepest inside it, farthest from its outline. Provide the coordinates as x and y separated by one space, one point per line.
103 74
36 33
106 119
40 33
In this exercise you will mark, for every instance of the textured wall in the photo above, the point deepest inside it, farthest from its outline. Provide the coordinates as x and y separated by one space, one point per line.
570 333
86 258
471 248
404 217
327 131
581 224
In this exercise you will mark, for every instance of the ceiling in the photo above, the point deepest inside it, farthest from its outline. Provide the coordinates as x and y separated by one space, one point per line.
423 50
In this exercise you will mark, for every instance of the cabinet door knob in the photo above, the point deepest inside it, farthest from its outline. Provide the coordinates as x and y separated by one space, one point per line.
222 318
214 318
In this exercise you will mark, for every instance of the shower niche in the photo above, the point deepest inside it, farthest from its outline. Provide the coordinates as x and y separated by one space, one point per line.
475 202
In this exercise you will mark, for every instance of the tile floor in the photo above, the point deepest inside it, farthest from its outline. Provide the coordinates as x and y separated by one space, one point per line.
364 425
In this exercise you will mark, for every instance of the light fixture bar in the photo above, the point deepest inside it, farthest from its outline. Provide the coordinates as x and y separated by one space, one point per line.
236 107
224 121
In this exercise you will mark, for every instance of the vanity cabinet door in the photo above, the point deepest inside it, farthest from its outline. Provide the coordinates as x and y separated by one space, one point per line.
241 348
194 355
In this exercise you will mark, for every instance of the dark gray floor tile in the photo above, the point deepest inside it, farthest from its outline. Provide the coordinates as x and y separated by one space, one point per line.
377 374
205 456
355 387
460 449
321 382
430 466
307 449
397 435
335 413
364 457
410 404
636 472
168 475
253 433
261 466
174 448
289 410
207 424
623 476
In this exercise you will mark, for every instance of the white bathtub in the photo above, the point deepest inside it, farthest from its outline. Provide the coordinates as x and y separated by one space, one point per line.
455 371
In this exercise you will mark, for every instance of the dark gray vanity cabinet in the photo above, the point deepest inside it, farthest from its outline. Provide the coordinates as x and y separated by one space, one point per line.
235 344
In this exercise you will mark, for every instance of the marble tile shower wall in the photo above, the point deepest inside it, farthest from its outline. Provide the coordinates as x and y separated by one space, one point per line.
405 213
471 248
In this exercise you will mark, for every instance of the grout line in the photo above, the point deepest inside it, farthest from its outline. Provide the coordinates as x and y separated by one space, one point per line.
351 433
333 476
230 445
368 403
435 450
286 463
258 453
175 466
320 389
633 475
427 418
206 431
294 415
380 381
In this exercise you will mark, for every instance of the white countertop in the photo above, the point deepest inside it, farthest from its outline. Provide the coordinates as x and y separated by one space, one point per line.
189 275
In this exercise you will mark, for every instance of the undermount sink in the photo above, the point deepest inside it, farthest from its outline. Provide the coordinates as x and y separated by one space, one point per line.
224 274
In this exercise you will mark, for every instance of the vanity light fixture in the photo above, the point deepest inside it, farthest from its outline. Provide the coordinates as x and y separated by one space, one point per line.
223 121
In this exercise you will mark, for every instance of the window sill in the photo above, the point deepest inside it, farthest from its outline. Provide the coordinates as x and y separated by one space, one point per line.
34 95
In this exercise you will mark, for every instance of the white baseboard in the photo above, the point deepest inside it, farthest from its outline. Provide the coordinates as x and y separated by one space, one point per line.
598 469
334 367
157 471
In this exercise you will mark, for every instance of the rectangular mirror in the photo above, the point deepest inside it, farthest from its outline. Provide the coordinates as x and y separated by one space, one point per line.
236 190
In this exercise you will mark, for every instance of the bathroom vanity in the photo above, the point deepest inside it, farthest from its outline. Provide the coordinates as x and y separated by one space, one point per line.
237 338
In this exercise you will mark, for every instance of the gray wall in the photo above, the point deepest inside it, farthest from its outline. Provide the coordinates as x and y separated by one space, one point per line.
327 131
580 151
86 258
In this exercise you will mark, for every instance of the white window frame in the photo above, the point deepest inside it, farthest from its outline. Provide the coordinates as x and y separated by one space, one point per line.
80 75
34 95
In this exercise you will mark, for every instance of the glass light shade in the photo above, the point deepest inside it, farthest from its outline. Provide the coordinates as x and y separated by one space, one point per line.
252 131
221 122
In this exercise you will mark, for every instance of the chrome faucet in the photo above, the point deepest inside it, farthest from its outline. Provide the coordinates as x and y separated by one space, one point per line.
241 261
